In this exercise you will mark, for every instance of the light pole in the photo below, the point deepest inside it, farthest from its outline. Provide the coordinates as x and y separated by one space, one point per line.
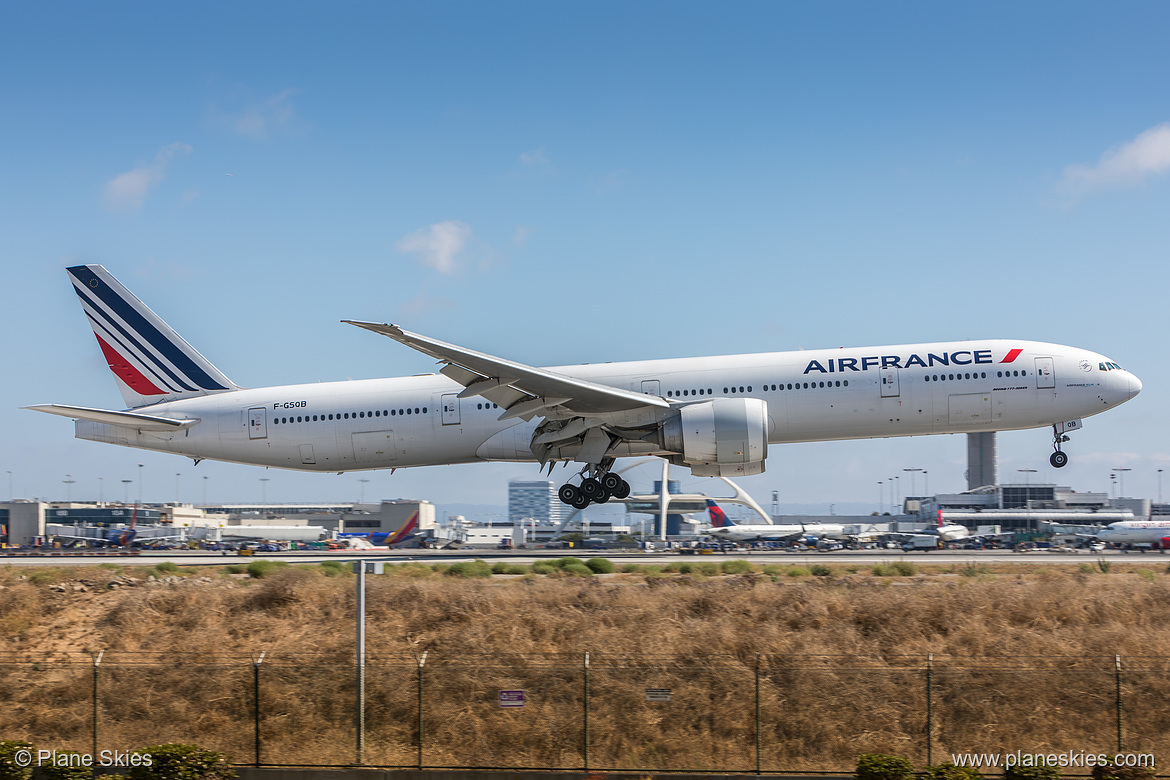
12 495
204 491
926 481
101 490
1121 472
362 491
1159 485
126 491
912 473
263 490
69 482
177 475
139 484
881 496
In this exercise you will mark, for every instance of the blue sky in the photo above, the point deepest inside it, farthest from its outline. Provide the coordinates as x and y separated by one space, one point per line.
560 183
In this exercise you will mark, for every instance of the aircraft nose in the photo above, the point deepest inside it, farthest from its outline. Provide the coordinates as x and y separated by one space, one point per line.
1135 385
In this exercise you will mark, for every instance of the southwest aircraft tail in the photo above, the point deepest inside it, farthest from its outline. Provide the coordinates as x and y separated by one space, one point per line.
150 361
719 518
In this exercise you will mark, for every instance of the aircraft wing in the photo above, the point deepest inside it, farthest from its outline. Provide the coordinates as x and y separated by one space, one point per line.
522 390
143 422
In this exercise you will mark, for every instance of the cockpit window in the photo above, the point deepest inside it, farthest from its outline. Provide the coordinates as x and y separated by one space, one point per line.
1109 367
1101 367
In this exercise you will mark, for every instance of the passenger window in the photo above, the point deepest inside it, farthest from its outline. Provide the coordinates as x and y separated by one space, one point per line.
847 383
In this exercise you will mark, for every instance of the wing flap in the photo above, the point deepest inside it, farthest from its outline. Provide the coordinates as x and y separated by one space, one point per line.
143 422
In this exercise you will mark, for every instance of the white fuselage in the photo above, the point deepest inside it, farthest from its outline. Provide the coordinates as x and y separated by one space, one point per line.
821 395
1135 532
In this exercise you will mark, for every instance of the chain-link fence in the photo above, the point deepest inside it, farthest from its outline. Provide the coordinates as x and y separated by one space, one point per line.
759 714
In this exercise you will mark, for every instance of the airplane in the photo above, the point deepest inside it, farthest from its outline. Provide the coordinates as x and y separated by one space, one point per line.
715 415
1153 532
387 540
724 527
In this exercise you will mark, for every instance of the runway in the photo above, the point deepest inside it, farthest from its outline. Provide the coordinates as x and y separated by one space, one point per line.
841 557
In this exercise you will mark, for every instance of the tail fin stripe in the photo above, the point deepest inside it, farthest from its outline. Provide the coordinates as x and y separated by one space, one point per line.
406 529
164 347
128 346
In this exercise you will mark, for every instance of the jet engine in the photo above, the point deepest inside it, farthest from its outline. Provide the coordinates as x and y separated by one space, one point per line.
723 437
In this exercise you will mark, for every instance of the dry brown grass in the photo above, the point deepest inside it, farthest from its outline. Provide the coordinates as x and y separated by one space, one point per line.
1023 660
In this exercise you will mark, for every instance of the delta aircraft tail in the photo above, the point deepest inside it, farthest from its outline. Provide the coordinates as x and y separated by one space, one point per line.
151 362
718 517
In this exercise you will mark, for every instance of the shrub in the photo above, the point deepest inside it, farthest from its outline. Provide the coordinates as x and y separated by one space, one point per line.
182 762
543 567
70 767
796 571
476 568
1104 565
169 567
9 769
1111 772
736 566
630 568
334 568
707 568
1044 772
878 766
948 771
577 569
503 567
904 568
601 565
264 567
820 570
973 570
561 563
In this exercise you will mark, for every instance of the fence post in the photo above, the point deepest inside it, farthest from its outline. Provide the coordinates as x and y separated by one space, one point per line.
585 714
1117 682
758 735
421 662
96 663
930 709
256 704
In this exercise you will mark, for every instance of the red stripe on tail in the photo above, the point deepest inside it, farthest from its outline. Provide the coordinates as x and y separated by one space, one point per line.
126 372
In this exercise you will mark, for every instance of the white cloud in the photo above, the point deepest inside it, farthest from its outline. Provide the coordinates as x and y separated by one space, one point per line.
127 191
437 245
1124 165
534 158
258 119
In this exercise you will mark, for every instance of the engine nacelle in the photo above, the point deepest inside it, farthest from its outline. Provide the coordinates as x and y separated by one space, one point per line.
723 437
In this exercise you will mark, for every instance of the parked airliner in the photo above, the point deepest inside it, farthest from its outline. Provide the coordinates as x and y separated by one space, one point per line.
723 527
716 415
1154 532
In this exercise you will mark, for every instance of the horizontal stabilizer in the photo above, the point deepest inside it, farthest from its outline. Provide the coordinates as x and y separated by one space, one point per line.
143 422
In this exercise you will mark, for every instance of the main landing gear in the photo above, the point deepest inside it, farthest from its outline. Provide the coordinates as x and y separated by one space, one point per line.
1058 458
598 488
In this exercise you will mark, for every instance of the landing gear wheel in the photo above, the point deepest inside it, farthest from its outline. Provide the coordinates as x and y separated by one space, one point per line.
568 493
602 497
591 488
622 490
611 482
581 501
1058 460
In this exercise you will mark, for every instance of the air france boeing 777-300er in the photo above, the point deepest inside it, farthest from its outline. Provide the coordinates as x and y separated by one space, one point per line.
715 415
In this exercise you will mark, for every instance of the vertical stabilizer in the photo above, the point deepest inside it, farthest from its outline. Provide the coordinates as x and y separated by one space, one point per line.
151 362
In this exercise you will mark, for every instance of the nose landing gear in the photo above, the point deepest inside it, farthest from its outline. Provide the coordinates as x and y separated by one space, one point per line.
1058 458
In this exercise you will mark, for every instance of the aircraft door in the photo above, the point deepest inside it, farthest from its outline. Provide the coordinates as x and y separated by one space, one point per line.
889 380
1045 376
450 404
651 387
257 423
